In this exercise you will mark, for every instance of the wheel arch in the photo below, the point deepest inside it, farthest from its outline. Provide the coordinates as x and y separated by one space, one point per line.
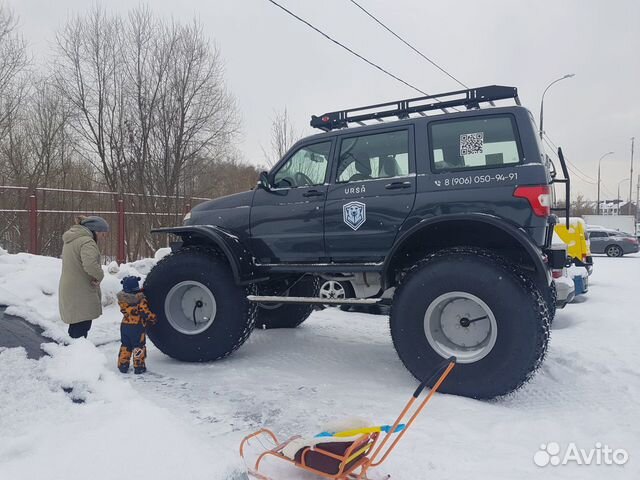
226 243
473 230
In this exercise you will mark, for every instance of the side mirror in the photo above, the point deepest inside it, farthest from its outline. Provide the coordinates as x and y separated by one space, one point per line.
264 181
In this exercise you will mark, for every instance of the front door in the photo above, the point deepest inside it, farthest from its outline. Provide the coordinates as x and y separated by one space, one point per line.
372 194
287 221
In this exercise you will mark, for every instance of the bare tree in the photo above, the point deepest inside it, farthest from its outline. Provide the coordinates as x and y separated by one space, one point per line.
198 117
580 206
89 76
283 136
13 62
135 103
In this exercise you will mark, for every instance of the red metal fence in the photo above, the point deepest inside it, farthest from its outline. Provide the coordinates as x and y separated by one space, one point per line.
34 220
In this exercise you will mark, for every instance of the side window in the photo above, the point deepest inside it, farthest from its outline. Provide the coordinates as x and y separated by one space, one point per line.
306 167
474 143
593 234
369 157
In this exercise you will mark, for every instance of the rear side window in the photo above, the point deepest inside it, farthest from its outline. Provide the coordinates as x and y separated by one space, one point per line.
485 142
369 157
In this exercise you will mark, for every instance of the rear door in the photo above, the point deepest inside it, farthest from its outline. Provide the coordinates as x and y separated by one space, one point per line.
372 193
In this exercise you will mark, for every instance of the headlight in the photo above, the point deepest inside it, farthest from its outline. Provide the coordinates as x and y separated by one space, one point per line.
186 217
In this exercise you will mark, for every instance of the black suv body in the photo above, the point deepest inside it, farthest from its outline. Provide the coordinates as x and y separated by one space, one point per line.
457 191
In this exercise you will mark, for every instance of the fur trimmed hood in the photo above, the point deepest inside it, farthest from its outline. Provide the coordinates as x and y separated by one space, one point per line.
130 298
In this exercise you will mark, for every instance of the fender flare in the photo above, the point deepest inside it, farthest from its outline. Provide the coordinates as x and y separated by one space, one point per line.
239 257
515 232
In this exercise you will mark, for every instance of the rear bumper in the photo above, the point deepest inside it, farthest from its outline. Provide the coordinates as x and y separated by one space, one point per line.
630 248
566 292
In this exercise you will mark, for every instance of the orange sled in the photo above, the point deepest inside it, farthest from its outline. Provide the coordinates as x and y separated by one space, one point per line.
354 458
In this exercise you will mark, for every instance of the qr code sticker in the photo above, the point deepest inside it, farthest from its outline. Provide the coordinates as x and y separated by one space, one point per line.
471 143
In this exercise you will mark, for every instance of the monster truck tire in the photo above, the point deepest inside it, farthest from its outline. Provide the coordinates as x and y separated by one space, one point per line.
290 315
202 314
552 299
498 349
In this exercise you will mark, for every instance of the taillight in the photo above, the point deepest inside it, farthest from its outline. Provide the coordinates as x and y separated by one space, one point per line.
538 197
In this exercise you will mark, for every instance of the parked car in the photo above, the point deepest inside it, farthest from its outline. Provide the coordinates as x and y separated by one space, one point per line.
563 285
565 289
580 277
612 242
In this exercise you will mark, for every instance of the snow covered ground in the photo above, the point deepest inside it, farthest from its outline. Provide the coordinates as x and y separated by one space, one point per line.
186 420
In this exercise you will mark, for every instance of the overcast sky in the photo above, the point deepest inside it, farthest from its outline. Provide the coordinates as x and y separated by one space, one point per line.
272 61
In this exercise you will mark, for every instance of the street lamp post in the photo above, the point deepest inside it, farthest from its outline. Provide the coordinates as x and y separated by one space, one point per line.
569 75
599 162
620 183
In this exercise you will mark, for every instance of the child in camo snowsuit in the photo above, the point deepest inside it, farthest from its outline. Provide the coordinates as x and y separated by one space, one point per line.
136 317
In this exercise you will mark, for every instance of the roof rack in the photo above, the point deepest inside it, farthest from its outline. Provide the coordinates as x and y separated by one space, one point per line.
403 108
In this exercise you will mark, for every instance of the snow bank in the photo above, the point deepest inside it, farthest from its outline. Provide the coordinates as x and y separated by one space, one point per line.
114 433
29 286
111 430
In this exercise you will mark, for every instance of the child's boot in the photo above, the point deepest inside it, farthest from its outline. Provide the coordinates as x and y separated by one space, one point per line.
124 359
139 355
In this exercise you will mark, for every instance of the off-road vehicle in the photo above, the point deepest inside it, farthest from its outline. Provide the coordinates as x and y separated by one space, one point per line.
443 213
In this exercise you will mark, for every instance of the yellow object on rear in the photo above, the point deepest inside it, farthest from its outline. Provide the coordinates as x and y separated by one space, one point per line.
575 238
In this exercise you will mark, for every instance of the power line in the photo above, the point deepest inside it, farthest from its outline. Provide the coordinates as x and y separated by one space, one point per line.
553 146
577 172
387 72
379 22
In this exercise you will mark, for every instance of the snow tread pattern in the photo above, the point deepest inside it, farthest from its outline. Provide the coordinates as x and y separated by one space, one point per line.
252 310
544 328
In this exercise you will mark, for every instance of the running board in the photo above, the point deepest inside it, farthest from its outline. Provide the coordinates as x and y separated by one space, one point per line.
313 300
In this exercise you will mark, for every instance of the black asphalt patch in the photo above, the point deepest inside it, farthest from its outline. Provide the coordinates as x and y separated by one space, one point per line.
17 332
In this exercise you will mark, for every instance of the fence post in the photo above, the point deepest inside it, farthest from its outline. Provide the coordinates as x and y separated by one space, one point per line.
122 255
33 223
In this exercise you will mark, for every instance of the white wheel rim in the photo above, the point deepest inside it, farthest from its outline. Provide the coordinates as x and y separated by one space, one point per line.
332 289
190 307
462 325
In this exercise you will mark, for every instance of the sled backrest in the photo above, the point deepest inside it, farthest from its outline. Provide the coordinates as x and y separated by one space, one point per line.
443 370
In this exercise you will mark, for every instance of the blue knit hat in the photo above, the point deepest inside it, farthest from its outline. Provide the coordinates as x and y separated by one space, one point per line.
130 284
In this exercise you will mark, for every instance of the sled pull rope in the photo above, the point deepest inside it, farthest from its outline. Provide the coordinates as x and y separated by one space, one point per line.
443 370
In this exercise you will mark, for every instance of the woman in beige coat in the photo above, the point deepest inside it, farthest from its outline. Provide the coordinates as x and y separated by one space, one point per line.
79 293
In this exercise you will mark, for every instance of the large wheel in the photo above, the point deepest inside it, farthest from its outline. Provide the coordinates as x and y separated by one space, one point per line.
470 304
613 251
286 315
202 314
551 297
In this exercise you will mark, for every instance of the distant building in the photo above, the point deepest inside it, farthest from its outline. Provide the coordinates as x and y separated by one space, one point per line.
617 207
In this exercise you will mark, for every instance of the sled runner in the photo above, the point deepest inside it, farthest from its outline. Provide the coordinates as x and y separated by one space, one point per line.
348 454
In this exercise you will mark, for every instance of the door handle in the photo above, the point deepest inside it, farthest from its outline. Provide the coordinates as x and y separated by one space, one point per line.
397 185
313 193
